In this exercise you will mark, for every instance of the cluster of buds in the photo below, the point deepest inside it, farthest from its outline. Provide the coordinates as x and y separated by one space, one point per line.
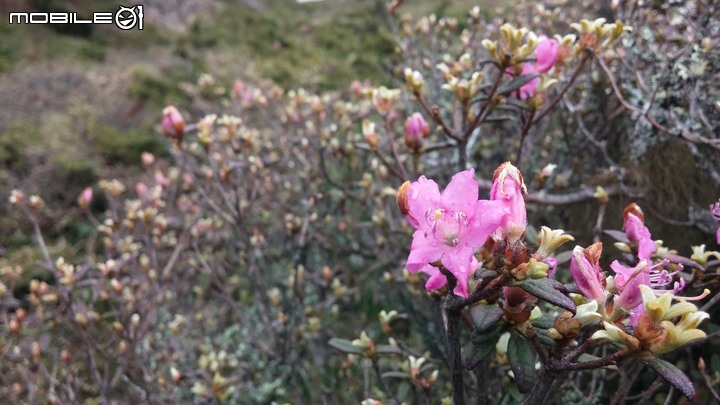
365 344
597 34
414 81
416 367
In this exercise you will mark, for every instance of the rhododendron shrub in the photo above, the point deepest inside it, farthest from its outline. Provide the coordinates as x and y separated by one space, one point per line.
401 242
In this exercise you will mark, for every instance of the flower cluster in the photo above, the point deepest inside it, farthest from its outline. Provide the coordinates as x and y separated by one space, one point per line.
629 297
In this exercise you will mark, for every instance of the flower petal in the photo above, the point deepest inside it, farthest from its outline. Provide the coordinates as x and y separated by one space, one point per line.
462 192
422 252
459 261
487 217
436 281
423 195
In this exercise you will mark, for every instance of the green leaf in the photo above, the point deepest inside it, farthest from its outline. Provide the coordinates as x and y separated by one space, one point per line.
589 357
344 345
387 349
485 316
617 235
395 374
543 289
485 273
683 260
482 345
522 361
516 83
672 374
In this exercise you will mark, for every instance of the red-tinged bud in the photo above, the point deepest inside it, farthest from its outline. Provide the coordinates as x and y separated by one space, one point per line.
173 124
20 315
402 198
567 326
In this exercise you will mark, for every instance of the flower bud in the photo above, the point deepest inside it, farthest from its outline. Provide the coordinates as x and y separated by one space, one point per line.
402 198
368 130
509 187
567 326
173 124
85 198
416 128
551 239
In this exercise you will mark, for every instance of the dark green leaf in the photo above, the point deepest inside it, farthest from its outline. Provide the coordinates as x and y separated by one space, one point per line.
485 273
672 374
516 83
563 257
485 316
542 289
683 260
617 235
522 361
387 349
545 321
344 345
482 345
395 374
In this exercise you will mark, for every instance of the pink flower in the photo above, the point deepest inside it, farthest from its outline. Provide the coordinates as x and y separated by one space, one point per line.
437 280
628 281
586 272
528 89
140 189
416 128
546 53
508 188
449 226
637 232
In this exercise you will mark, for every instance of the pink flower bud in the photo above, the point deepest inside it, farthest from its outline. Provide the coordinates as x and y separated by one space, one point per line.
85 198
173 124
586 272
416 128
508 188
147 159
637 232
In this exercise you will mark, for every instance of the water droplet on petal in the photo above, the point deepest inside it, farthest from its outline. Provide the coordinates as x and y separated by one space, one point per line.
415 193
463 270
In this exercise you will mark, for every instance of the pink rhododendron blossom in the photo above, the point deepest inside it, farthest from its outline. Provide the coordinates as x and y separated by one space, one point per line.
586 272
508 188
628 281
637 232
449 226
528 89
546 53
